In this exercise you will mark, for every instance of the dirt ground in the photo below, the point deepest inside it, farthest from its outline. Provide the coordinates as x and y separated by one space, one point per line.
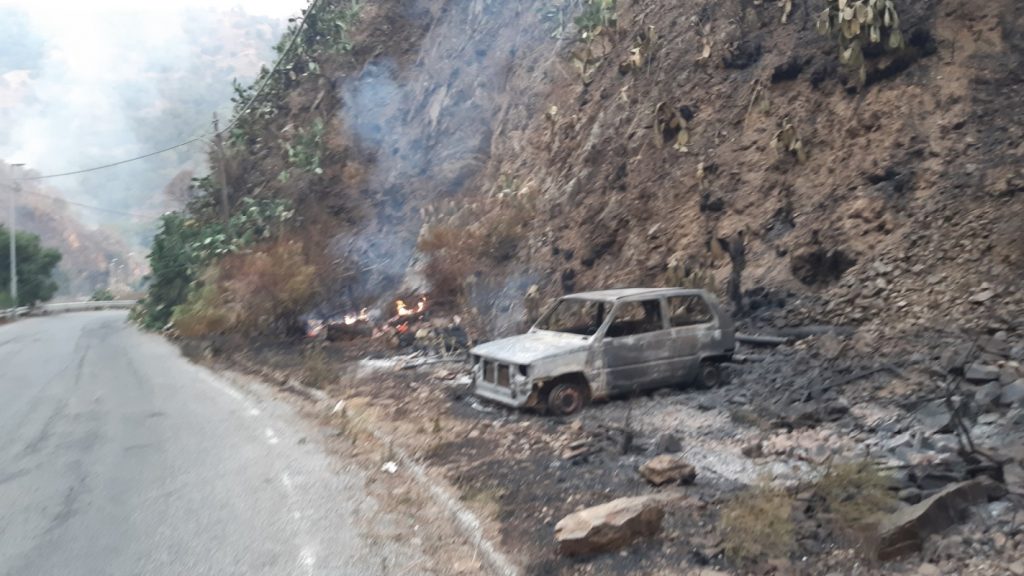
522 472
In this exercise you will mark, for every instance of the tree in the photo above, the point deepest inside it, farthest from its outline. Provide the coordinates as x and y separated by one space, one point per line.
172 262
35 269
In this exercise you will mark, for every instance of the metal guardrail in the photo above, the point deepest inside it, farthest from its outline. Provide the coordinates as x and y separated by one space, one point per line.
63 307
12 313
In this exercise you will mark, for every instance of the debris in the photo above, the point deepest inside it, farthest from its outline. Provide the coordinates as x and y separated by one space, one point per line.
904 532
668 468
1013 393
339 407
935 417
753 450
982 296
978 372
390 467
667 443
761 340
986 395
609 526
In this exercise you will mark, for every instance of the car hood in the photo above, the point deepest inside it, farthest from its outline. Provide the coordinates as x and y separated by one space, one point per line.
531 347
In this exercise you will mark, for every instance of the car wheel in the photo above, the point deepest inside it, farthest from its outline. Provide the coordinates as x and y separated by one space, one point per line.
567 398
710 375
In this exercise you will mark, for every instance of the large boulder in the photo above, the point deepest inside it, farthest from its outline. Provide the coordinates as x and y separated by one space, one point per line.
904 532
668 468
609 526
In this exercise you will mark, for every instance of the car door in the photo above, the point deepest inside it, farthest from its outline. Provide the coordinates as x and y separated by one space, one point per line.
690 320
636 347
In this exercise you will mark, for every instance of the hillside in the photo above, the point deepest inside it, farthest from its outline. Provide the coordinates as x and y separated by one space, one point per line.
474 116
491 155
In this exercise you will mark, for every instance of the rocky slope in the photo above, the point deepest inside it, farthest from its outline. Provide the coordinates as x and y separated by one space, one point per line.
475 116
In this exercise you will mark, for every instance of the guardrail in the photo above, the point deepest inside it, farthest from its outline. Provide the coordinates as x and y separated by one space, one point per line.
63 307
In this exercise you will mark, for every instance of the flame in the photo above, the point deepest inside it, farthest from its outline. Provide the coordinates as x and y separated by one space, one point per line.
404 310
363 316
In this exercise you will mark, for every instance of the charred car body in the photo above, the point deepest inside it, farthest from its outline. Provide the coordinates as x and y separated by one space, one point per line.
594 345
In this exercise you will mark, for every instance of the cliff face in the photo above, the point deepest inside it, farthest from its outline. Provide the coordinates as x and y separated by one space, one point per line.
476 148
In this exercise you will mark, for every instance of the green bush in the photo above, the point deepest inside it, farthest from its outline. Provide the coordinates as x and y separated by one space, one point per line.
102 295
36 265
185 246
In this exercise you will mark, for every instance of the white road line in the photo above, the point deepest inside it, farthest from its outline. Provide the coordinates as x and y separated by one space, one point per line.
271 436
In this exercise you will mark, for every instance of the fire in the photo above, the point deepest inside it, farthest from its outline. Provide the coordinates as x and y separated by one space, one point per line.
404 310
363 316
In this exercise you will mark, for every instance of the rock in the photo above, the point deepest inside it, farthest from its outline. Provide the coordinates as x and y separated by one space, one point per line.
904 532
934 417
1017 352
667 443
1008 374
668 468
1012 393
928 569
989 418
982 296
987 395
978 372
1017 568
1013 474
753 450
910 495
609 526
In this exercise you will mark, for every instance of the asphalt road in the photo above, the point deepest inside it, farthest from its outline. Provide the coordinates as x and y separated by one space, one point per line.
119 457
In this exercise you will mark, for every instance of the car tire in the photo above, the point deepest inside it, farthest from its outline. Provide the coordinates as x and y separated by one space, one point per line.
565 398
710 375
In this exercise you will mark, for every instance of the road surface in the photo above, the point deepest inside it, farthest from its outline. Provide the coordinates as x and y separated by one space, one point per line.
119 457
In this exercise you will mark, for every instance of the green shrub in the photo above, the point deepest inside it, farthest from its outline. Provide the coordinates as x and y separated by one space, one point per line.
102 295
36 265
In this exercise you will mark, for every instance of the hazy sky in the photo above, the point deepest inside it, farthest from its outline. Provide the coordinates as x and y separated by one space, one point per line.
78 76
55 8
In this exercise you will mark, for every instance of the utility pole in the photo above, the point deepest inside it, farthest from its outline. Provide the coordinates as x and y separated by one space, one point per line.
14 245
222 173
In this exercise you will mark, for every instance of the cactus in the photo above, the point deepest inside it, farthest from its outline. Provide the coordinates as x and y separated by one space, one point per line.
857 23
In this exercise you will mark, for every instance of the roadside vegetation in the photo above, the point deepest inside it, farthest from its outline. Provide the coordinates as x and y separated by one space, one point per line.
36 265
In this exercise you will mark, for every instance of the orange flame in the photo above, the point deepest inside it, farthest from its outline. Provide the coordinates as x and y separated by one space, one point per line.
404 310
351 319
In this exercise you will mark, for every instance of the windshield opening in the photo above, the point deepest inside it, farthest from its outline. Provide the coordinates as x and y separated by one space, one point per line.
574 316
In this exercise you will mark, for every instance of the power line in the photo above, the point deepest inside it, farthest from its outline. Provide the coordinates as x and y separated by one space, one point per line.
291 44
89 206
112 164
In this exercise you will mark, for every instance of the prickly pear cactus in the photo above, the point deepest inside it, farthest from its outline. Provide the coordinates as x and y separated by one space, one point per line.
857 23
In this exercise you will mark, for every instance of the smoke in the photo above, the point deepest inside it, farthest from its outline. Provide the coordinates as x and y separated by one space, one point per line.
86 84
427 114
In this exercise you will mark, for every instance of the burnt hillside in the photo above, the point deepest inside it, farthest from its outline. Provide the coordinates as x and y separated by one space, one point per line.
515 151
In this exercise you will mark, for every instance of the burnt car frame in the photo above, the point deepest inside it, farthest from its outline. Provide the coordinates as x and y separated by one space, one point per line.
595 345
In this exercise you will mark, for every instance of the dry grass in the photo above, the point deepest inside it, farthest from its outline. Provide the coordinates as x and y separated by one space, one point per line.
852 495
250 293
757 524
316 370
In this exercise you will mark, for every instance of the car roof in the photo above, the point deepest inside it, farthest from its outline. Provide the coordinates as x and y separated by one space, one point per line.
634 293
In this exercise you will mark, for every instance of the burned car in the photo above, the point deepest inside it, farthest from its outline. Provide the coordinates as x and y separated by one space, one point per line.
594 345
